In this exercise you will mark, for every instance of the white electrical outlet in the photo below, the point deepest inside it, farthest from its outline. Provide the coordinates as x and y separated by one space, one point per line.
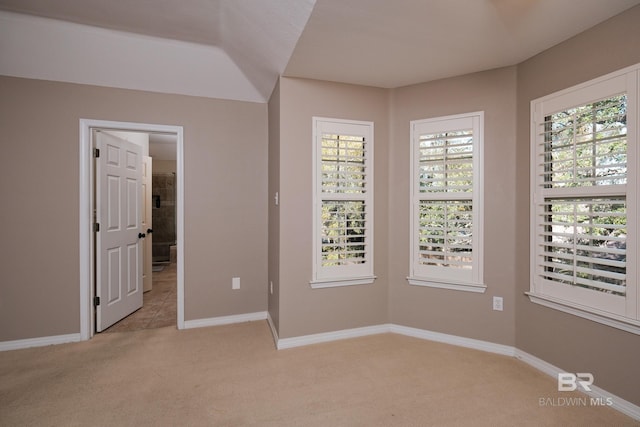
497 303
235 283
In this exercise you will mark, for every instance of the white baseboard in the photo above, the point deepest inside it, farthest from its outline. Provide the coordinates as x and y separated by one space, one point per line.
283 343
618 403
39 342
487 346
225 320
397 329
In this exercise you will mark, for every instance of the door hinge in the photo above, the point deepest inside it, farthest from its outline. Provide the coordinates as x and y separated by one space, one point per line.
96 227
96 301
96 153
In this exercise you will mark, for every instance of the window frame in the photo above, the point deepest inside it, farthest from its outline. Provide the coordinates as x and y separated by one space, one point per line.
622 312
323 276
469 280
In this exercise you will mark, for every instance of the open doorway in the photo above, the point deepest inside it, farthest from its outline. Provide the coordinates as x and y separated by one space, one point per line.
165 139
159 252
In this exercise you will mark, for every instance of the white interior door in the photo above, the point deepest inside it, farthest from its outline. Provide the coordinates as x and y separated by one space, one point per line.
119 237
147 224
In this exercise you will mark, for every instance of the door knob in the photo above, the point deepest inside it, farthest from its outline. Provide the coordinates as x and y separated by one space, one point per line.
149 231
141 235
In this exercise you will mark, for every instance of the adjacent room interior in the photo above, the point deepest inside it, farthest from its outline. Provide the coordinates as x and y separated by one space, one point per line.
302 203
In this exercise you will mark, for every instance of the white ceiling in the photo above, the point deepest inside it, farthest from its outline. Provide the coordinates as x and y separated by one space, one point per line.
392 43
236 49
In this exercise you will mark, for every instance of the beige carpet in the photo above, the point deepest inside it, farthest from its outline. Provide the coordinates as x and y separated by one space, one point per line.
233 376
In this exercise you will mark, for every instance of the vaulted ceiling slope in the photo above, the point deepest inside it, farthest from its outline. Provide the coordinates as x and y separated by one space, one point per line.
236 49
225 48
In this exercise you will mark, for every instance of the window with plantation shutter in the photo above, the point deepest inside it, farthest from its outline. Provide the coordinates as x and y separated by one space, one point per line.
446 205
584 177
343 203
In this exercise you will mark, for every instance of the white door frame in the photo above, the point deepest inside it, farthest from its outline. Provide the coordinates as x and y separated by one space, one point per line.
87 319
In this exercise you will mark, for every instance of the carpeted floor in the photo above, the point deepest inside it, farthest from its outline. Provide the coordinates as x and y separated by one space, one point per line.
233 376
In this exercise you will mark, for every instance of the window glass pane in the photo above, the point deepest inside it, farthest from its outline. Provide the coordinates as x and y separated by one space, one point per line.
446 233
343 164
585 243
446 162
586 145
343 233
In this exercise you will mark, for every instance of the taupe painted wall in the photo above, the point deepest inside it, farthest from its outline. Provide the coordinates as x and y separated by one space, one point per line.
304 310
164 166
448 311
566 341
225 147
274 211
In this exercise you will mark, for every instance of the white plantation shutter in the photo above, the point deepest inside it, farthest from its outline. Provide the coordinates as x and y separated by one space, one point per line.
585 146
583 243
446 197
583 179
343 200
446 234
343 164
446 162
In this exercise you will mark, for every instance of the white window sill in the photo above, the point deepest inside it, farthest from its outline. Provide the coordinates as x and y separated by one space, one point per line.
456 286
608 319
334 283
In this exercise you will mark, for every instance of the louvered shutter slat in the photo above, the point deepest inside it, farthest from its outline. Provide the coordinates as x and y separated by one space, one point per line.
445 234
